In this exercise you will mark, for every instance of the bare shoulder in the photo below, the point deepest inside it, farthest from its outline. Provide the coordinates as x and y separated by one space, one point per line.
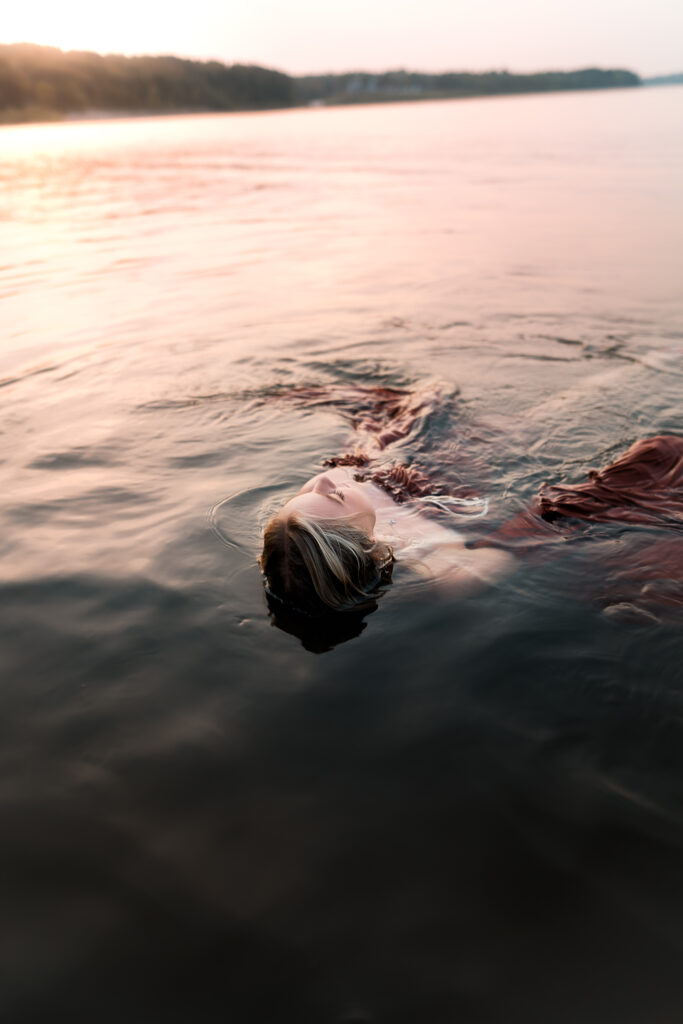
487 565
447 561
439 553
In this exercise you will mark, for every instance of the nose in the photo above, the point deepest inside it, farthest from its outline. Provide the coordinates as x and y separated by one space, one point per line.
324 485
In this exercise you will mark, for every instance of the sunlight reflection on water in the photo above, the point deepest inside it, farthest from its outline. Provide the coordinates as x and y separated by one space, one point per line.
468 795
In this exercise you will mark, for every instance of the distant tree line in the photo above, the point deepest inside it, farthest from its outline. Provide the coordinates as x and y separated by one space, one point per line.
363 87
40 78
664 80
43 82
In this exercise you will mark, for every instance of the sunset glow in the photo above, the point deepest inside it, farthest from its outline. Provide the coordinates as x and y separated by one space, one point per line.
306 36
80 25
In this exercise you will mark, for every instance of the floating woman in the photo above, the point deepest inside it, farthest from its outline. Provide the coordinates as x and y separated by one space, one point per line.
332 545
334 542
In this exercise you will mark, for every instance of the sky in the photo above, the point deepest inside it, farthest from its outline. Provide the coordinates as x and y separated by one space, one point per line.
302 36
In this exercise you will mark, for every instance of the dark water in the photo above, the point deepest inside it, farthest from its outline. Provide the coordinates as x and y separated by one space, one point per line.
472 812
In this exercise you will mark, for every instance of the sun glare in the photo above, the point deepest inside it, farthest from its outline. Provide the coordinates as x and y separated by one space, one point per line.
81 25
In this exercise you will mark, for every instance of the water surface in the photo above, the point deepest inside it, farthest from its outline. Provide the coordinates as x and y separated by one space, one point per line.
472 810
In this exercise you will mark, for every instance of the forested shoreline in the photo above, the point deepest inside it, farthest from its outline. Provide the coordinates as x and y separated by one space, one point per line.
44 83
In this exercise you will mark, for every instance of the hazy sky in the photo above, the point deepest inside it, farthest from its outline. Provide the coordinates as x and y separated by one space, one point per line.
337 35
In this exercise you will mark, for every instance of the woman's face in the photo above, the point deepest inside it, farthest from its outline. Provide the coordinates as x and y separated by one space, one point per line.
325 498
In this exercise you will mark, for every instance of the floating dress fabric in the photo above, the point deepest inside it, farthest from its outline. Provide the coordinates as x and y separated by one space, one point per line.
382 416
386 414
643 487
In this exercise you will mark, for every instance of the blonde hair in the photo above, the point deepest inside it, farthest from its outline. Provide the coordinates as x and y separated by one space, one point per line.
317 565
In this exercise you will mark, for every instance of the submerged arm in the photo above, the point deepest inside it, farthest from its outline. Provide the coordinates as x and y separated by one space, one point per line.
454 567
460 569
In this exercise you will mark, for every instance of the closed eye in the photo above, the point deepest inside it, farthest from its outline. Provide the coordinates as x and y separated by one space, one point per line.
339 494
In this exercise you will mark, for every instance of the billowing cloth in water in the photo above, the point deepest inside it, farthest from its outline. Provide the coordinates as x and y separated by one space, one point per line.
387 414
398 480
643 487
381 416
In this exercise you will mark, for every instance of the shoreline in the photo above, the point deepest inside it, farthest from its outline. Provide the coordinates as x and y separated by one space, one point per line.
13 118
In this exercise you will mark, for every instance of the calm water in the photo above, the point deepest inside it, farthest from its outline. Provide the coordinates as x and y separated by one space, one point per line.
472 812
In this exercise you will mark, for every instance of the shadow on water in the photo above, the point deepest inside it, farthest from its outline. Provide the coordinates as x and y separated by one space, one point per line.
458 811
319 634
468 811
432 822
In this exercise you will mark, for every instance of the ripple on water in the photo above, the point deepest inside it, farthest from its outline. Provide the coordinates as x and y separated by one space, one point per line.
469 810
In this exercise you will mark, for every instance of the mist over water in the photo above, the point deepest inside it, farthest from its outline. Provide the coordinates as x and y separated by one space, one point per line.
472 810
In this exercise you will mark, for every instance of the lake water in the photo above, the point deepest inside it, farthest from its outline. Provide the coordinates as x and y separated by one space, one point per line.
470 812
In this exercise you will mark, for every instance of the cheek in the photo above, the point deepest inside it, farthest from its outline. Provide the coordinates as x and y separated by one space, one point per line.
360 500
361 507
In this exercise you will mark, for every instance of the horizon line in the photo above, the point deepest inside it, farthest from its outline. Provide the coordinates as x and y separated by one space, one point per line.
346 71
